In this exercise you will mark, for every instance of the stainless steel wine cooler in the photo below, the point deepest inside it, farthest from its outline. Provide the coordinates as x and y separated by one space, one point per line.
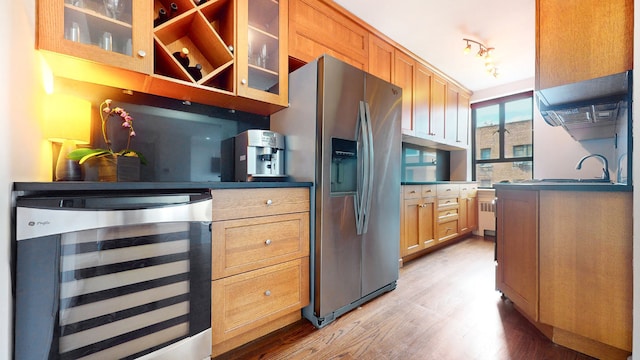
113 277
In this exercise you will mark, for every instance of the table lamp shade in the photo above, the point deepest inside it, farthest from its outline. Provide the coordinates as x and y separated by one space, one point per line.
67 121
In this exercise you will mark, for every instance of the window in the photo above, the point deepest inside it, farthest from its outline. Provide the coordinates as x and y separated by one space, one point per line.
503 139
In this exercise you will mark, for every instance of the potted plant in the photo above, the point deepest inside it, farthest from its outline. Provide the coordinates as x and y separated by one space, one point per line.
123 165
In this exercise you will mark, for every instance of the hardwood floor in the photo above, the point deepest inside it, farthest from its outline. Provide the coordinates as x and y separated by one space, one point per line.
445 307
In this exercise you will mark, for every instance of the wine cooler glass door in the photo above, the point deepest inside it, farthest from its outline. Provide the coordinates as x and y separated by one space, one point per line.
106 24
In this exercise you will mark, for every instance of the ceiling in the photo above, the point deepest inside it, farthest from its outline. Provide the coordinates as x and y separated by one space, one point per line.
434 29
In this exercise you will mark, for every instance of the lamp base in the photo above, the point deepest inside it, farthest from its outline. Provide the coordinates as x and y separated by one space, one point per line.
67 169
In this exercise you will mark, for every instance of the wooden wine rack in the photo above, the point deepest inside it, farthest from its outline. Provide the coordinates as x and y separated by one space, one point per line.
207 31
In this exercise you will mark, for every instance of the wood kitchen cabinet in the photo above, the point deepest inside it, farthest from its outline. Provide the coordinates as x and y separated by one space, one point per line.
381 62
83 28
517 248
316 28
448 211
404 76
437 108
240 47
417 218
565 260
468 210
464 119
262 50
582 39
423 127
435 214
586 265
260 262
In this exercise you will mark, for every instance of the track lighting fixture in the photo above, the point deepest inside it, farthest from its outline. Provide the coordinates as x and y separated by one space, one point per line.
484 53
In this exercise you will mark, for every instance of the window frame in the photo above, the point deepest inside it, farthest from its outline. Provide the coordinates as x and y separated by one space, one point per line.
501 131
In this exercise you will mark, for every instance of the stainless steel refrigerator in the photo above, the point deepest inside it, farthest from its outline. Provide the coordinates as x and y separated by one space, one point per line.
342 132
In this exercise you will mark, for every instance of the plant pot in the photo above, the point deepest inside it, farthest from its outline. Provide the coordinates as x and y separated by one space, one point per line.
112 168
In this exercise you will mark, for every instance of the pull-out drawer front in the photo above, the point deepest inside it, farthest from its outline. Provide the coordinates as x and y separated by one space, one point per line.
468 190
243 302
447 215
244 203
447 230
448 190
429 190
447 203
247 244
411 191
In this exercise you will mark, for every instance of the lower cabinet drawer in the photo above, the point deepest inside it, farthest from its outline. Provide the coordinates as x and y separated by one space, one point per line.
249 300
447 215
247 244
447 230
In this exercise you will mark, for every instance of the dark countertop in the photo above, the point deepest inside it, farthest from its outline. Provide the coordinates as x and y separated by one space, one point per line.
563 186
84 186
434 182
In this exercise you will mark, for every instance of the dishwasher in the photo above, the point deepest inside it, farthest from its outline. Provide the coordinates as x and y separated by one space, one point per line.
113 276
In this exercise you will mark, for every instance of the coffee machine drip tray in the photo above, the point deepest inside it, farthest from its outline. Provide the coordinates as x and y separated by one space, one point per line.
265 178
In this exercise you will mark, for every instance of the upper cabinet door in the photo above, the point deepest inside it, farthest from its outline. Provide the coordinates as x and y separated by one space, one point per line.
578 40
261 52
113 32
404 76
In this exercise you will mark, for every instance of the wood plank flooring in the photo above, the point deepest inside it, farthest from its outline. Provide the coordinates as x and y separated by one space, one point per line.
444 307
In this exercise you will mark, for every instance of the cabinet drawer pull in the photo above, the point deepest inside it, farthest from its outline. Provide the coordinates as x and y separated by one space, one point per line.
412 192
267 242
142 53
269 202
267 293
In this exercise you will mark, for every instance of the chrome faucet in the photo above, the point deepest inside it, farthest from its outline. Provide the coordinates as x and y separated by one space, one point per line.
605 169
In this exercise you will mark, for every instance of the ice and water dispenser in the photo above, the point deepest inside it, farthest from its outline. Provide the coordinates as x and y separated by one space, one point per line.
258 156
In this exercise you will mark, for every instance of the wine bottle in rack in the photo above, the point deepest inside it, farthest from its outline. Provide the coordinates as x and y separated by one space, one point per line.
162 17
200 2
173 9
195 72
183 57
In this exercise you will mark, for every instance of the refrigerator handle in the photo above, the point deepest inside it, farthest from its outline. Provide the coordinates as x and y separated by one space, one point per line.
369 174
363 169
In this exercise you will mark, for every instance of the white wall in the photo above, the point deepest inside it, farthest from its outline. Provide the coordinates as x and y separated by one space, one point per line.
23 155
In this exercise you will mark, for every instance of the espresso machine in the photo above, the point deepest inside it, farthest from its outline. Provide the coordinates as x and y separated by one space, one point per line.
259 156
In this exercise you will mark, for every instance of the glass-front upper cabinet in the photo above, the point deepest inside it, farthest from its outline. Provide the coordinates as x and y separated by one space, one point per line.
113 32
262 50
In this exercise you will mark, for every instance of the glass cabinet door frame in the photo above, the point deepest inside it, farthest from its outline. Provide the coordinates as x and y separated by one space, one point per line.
246 70
51 35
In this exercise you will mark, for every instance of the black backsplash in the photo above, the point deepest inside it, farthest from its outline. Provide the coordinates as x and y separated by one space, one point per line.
179 145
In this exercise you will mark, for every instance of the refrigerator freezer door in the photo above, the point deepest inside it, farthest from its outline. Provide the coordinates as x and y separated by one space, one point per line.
338 247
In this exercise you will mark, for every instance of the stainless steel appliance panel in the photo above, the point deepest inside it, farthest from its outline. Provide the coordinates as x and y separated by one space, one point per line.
340 251
343 133
125 276
381 249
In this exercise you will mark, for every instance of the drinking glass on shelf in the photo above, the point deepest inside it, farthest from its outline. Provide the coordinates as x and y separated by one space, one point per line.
263 56
113 8
250 53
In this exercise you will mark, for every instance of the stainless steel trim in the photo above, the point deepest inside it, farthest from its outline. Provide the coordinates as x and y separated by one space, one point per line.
370 172
35 222
363 178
